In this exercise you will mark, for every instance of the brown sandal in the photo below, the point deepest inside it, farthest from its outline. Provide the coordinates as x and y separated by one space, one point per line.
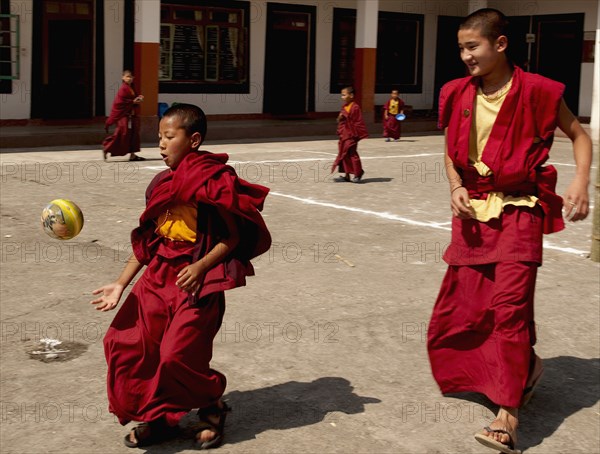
150 433
218 429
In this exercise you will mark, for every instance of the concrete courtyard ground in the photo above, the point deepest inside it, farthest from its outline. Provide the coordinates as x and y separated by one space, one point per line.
325 349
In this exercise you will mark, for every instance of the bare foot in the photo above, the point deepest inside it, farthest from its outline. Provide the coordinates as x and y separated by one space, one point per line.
209 433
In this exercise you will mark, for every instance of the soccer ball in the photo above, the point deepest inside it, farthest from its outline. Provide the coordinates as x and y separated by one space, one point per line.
62 219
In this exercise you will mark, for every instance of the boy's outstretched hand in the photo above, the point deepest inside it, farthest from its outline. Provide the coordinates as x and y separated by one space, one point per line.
111 294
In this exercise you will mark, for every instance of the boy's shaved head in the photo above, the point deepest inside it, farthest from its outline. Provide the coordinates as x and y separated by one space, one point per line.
192 118
490 22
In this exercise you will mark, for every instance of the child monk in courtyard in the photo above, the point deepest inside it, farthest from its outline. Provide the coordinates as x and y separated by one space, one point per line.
351 128
200 228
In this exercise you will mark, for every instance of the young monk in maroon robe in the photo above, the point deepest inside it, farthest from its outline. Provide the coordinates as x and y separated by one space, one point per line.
499 125
126 136
200 228
391 126
351 129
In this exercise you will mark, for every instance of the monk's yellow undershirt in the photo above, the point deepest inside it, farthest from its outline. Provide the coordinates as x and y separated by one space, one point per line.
393 107
485 112
179 223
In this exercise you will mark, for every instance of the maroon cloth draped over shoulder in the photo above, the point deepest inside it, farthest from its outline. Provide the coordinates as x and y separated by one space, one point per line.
123 105
204 178
126 136
351 129
520 140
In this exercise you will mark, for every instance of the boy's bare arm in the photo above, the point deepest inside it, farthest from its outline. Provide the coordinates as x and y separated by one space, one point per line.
111 293
576 198
188 278
459 196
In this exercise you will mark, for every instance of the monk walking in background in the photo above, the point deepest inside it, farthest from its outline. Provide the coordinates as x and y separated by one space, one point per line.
391 126
499 124
126 136
351 128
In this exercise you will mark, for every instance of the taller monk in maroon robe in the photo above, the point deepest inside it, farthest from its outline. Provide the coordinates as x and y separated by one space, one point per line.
499 125
200 228
126 136
351 129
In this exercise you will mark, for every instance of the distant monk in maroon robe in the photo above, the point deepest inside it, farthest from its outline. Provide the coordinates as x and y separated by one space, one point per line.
200 228
499 124
391 126
126 136
351 129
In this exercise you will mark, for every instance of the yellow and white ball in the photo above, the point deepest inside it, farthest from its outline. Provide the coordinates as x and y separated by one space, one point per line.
62 219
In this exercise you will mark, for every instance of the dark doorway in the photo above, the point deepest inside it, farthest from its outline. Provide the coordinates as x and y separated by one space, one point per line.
557 52
289 60
448 64
63 64
69 88
518 47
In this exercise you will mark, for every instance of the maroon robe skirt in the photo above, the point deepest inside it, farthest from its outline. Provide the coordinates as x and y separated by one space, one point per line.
391 127
482 331
125 138
348 160
158 347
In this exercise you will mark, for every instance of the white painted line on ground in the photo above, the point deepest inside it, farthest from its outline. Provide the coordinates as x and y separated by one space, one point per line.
395 217
379 214
567 164
363 158
266 151
570 250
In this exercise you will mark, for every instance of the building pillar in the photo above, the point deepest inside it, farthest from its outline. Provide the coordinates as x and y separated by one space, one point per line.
595 132
366 56
595 116
145 67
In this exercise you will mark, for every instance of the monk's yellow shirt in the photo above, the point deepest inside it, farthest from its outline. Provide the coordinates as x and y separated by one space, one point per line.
486 110
179 223
347 107
393 107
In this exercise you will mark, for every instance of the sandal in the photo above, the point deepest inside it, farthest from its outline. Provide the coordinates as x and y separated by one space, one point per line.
341 179
135 157
507 448
147 434
217 429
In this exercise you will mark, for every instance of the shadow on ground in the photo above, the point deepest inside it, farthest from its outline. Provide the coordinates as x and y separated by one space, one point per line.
569 384
376 180
279 407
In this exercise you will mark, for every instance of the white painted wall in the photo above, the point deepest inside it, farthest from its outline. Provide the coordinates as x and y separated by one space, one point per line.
114 31
17 105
